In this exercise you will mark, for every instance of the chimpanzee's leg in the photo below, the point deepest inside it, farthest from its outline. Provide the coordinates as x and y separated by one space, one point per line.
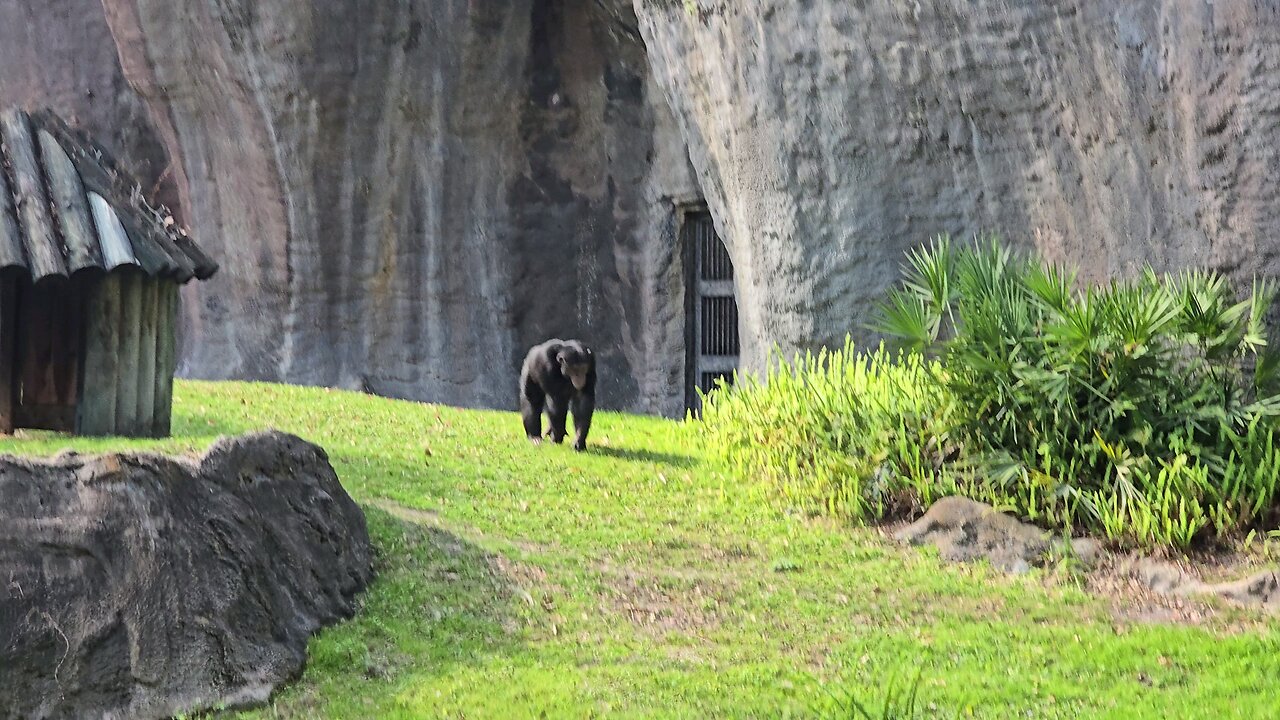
583 406
557 414
531 400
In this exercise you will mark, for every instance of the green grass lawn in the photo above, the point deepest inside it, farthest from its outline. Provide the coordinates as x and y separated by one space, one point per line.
636 580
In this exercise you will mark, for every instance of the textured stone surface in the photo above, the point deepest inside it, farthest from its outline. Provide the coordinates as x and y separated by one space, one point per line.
141 586
410 194
61 54
1260 590
405 195
965 530
830 135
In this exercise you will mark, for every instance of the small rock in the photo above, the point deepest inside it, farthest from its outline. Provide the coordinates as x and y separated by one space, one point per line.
965 530
1260 590
1088 551
1157 575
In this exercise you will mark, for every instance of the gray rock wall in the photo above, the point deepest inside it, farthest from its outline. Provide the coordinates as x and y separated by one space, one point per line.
406 194
830 135
403 195
61 54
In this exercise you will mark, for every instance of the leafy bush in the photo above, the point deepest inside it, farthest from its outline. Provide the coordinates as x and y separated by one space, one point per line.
851 434
1144 408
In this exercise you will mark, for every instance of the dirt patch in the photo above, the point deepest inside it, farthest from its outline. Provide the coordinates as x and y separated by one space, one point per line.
1133 602
1139 588
660 603
684 585
528 580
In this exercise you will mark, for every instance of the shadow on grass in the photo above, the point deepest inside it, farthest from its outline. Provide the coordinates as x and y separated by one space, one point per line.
634 455
437 601
435 586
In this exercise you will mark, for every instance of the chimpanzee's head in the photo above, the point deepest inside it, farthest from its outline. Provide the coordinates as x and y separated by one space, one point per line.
575 364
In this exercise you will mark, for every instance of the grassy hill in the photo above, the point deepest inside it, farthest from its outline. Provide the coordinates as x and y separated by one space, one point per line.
636 580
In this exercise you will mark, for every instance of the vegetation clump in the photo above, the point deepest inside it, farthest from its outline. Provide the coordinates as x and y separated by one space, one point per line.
840 432
1143 409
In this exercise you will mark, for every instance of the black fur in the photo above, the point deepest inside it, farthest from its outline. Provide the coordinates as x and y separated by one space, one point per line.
546 381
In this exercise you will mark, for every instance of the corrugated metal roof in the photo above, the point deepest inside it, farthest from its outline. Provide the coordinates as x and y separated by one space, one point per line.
65 206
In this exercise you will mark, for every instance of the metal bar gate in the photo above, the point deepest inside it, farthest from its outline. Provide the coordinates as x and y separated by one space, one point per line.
713 310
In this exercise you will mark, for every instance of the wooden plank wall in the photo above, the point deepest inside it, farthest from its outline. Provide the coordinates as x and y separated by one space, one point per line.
144 412
93 355
97 411
166 356
128 329
47 353
8 348
127 383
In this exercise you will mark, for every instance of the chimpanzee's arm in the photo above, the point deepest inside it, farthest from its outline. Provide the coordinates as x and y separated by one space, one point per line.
583 406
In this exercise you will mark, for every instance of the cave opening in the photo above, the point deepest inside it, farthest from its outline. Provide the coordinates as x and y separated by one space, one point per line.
712 341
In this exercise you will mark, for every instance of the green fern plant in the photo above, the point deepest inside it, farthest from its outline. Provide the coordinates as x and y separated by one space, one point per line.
1130 407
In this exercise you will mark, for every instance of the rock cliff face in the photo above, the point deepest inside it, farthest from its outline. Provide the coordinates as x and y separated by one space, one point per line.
831 135
404 195
408 194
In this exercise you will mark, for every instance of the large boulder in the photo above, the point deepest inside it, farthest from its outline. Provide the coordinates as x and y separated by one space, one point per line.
140 586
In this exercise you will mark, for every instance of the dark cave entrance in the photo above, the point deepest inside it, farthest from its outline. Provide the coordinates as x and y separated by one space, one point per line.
711 309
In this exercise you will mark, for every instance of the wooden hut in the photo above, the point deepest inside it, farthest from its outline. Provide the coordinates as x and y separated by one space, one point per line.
89 276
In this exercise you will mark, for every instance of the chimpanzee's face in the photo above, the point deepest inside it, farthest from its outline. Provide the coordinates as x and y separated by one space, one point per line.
575 366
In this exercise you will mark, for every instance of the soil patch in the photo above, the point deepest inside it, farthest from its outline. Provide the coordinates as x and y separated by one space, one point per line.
1141 588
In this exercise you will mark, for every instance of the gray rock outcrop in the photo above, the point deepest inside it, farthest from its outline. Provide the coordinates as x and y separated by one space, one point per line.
403 196
142 586
965 530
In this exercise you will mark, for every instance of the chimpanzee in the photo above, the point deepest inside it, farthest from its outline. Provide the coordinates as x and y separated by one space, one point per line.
560 375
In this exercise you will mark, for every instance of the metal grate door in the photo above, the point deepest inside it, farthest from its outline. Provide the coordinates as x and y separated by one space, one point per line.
713 311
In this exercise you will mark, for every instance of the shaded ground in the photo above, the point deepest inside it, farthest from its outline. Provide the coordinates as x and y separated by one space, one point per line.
637 581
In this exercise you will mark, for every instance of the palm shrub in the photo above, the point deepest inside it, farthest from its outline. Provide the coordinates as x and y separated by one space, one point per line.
850 434
1143 408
